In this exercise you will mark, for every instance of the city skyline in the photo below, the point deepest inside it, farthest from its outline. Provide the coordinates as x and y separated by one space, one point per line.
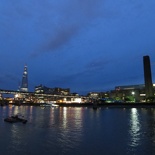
81 45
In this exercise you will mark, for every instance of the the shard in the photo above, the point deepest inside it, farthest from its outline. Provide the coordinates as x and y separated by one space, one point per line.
24 84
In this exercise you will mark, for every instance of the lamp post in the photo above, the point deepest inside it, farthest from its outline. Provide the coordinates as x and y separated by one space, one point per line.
133 94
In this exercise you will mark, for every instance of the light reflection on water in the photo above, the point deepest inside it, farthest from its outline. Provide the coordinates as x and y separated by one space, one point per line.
78 131
71 128
134 128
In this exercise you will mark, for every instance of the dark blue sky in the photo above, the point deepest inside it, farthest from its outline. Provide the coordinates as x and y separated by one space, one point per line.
85 45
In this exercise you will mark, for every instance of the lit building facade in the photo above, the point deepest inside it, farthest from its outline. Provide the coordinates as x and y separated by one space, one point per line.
129 93
55 91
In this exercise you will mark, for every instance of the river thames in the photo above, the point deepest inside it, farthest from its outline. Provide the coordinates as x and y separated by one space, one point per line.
78 131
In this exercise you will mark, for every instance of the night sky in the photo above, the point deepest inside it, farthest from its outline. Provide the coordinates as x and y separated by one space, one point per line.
84 45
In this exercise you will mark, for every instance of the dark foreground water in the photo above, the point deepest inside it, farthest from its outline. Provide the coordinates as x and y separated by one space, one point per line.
78 131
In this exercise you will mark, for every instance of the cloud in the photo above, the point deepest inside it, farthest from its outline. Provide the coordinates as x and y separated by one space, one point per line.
84 75
61 37
68 21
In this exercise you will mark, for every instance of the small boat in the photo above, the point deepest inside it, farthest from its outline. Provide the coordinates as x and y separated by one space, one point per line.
14 119
55 105
49 105
10 120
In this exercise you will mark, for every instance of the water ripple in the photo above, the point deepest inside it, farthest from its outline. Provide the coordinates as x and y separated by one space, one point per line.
78 131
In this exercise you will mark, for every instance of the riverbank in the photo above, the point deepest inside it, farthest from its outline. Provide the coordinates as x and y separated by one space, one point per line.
119 105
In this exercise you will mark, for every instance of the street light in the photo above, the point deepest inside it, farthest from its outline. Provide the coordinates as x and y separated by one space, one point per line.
133 94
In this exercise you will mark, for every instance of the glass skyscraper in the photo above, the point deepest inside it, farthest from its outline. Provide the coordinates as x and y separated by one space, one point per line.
24 84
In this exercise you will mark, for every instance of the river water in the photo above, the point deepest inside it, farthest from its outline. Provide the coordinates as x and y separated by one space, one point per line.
78 131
